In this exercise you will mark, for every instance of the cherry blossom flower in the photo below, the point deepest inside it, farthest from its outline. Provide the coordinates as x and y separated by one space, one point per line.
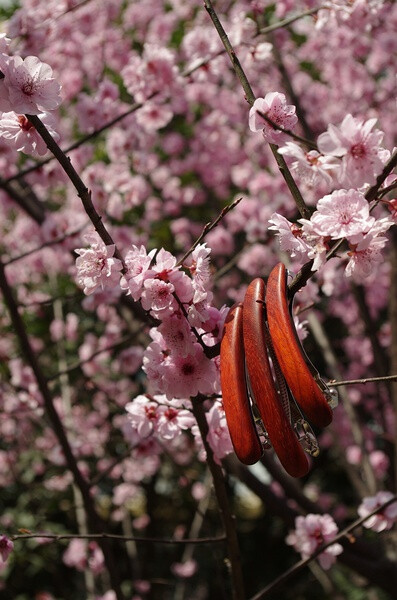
201 272
20 133
96 266
155 71
138 268
172 421
359 147
187 376
143 415
311 532
177 335
153 116
275 107
312 167
6 547
382 520
343 213
290 237
365 253
157 296
185 569
218 432
28 86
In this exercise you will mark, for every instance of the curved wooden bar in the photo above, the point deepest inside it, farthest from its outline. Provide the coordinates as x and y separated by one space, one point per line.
278 427
236 403
289 354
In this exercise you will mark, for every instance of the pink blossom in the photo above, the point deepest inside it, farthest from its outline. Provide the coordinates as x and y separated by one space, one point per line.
343 213
172 421
6 547
157 296
379 462
96 267
177 335
365 253
153 363
290 236
218 432
138 264
154 72
185 569
20 133
354 140
201 272
143 415
382 520
153 116
190 375
255 260
311 532
275 107
312 167
28 86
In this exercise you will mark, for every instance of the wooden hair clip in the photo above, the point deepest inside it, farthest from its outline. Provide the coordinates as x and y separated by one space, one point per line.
236 403
256 333
305 387
274 417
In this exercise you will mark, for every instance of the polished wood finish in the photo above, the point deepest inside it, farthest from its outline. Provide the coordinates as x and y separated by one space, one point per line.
278 427
236 403
288 350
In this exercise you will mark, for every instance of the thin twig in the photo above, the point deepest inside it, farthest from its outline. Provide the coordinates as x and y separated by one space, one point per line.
277 583
249 94
288 132
334 383
289 20
122 538
57 240
207 228
79 364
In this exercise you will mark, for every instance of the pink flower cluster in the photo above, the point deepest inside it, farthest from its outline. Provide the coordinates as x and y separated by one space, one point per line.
311 532
175 361
342 214
27 88
155 416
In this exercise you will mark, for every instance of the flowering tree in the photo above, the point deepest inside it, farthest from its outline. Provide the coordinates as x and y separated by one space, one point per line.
155 158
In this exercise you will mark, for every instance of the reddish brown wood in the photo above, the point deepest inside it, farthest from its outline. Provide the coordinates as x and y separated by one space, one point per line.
278 427
244 436
289 353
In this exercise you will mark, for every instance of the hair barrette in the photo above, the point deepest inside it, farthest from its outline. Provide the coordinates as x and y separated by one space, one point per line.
269 386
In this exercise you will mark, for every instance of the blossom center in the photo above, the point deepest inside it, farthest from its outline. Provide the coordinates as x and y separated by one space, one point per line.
24 123
29 87
358 150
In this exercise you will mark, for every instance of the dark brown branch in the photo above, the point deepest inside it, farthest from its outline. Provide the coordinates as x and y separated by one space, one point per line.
388 168
94 520
122 538
29 204
228 519
82 191
249 94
